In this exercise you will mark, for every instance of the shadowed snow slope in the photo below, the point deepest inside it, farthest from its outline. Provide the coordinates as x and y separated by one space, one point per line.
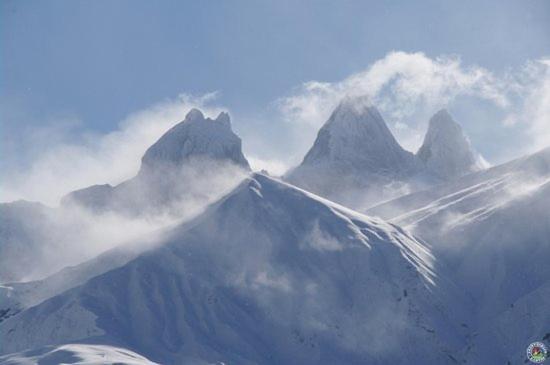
268 275
76 354
492 229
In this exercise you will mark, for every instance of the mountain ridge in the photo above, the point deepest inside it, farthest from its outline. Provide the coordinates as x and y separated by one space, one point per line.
355 159
252 281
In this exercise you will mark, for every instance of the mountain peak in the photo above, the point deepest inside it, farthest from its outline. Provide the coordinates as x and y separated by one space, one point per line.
224 118
356 134
196 137
194 114
196 149
355 104
446 150
354 151
443 120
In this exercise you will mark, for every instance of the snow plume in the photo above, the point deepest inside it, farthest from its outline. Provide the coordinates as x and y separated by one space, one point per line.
399 85
409 87
536 106
511 190
77 161
98 218
68 236
53 238
272 166
317 239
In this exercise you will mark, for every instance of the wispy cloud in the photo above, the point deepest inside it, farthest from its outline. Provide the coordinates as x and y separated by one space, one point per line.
272 166
536 107
408 87
398 84
90 158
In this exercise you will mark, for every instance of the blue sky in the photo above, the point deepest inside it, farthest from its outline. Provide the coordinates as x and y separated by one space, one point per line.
82 67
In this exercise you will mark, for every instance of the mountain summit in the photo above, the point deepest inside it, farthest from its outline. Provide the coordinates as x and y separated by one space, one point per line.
195 138
357 137
198 157
446 151
355 152
356 160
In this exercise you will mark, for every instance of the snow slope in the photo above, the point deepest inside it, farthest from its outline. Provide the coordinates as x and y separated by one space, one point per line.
491 229
77 354
469 193
17 296
268 275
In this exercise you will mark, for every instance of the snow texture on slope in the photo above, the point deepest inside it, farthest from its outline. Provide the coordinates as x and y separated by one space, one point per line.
271 274
77 354
491 229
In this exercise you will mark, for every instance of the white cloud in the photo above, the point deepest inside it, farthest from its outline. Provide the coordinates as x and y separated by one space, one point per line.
537 105
272 166
409 87
74 163
398 84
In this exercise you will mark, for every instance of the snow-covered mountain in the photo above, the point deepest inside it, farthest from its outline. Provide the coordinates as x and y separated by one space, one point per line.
491 229
77 354
193 138
356 160
190 166
270 274
173 169
446 152
356 138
